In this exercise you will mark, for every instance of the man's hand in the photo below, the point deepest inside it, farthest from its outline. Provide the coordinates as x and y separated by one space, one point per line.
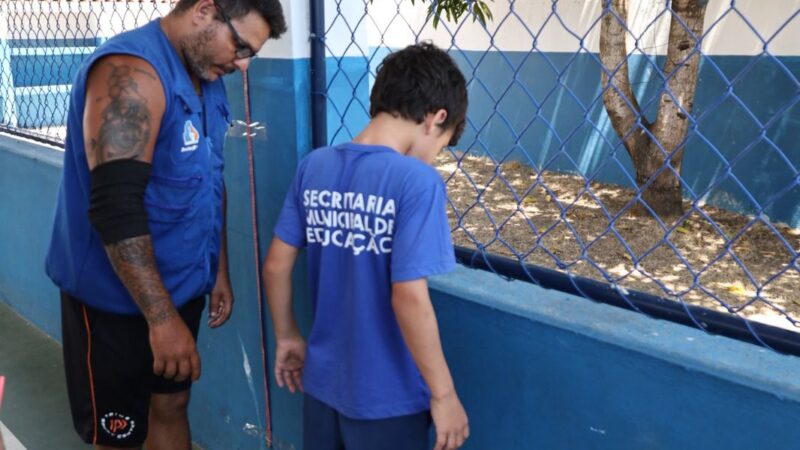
290 355
221 305
174 350
222 295
450 420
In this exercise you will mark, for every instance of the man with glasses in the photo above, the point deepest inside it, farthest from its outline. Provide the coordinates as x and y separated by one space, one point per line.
138 238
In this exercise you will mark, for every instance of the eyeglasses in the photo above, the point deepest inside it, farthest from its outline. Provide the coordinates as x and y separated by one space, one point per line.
243 49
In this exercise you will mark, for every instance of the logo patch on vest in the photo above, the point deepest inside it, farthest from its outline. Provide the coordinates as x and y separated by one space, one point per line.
117 425
190 137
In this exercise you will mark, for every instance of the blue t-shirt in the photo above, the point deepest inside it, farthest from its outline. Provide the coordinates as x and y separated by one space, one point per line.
369 217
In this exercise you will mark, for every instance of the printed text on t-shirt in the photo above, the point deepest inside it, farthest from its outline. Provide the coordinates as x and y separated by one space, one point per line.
349 220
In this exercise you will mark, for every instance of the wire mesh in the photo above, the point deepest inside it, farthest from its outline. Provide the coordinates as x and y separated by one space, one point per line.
588 151
544 175
42 45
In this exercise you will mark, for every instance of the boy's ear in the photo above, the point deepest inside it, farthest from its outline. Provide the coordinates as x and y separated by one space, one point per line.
434 120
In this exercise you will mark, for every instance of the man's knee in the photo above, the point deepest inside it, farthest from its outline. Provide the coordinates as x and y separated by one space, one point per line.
169 407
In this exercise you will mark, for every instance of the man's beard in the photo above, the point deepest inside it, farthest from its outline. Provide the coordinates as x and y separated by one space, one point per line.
197 55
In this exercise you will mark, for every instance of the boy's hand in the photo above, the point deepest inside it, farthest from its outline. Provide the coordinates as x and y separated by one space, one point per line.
290 354
450 420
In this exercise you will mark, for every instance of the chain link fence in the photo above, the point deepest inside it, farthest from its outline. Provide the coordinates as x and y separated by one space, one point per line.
646 145
42 45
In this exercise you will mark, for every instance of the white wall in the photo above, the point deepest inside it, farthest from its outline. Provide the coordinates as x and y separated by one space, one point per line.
726 32
294 43
350 32
347 29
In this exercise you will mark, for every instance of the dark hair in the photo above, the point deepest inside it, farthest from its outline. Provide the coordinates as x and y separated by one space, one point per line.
418 80
270 10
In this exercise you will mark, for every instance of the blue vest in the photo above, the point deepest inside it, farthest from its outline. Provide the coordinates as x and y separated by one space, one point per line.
183 198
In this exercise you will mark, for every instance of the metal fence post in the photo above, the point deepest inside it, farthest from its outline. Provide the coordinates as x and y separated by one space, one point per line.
319 115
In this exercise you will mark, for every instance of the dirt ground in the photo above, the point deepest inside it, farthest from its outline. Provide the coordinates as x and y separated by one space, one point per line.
539 231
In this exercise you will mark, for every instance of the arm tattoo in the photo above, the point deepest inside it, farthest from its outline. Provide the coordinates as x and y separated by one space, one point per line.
135 264
125 122
136 252
146 73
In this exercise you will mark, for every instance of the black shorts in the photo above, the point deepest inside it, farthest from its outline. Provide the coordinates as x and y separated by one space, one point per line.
110 375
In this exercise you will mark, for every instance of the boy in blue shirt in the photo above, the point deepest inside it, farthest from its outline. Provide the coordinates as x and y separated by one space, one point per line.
371 214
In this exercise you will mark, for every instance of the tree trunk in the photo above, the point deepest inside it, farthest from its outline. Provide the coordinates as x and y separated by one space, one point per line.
665 144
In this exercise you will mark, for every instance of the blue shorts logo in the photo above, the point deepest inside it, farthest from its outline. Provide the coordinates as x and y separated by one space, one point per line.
190 137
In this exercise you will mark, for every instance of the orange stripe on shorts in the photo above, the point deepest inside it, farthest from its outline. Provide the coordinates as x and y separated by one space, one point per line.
91 376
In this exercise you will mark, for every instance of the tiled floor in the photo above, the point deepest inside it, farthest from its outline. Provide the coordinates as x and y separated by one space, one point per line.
35 408
35 411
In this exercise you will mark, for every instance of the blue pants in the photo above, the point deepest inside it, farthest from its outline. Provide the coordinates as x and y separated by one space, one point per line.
324 428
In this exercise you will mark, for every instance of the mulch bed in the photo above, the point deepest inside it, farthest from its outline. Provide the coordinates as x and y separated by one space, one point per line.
696 262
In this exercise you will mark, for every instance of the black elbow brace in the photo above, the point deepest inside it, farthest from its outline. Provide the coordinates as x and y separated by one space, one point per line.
116 203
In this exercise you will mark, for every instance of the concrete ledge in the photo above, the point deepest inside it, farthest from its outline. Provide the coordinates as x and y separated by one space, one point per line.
735 361
37 151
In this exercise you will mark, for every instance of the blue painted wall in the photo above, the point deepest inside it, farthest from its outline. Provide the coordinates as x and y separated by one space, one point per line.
43 68
28 182
47 69
91 41
546 110
535 368
541 369
348 97
229 407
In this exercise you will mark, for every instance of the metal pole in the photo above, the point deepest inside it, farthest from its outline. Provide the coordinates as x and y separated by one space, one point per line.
319 116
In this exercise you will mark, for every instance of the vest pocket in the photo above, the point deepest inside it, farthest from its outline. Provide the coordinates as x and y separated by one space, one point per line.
159 212
176 217
170 199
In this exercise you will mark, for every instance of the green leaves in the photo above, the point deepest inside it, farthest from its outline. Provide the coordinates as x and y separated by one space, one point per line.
454 9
